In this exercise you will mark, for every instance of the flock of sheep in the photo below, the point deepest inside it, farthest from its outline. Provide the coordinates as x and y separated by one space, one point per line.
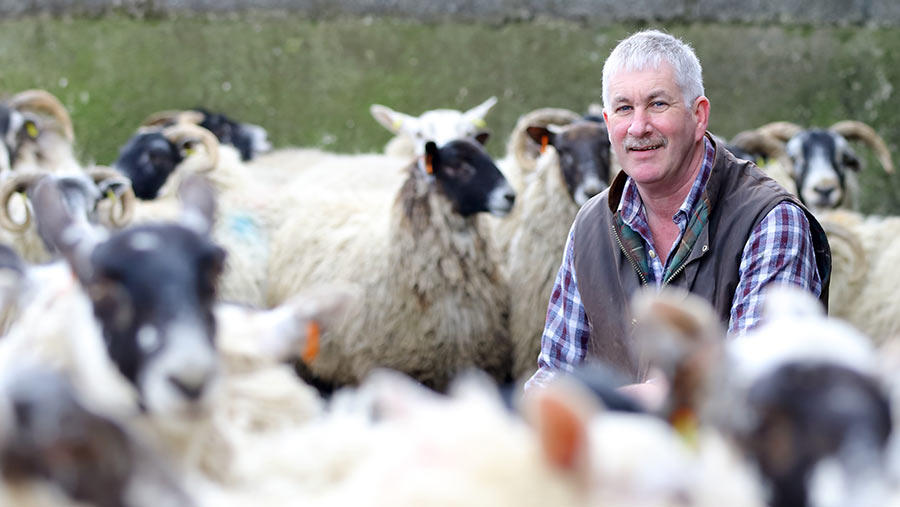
213 322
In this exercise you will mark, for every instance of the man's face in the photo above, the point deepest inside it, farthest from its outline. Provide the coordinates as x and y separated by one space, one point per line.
652 130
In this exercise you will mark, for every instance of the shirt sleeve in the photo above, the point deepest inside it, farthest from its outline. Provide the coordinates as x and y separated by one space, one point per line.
566 331
779 250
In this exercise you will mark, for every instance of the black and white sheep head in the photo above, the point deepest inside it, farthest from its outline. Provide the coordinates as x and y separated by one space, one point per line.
439 125
250 140
149 158
822 161
583 149
152 290
468 177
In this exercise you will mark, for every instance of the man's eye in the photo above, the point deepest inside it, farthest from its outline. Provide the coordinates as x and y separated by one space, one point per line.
659 104
623 109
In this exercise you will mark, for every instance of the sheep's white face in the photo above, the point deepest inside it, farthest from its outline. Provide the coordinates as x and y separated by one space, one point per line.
178 379
439 125
821 161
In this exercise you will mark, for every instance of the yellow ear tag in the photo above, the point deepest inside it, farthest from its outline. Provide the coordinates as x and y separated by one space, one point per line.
685 423
311 350
111 195
31 129
544 141
397 123
429 168
189 151
480 123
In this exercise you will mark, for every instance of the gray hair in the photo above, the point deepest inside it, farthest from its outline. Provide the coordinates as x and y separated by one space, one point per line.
648 49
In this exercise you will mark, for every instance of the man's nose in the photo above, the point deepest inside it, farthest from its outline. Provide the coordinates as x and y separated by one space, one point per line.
640 124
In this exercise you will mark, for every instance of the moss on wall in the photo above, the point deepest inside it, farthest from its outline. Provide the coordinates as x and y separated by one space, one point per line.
311 82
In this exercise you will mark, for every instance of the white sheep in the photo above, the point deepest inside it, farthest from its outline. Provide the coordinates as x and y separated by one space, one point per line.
96 195
434 299
39 135
438 125
865 251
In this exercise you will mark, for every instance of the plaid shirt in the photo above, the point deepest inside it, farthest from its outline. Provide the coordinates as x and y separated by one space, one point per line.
778 250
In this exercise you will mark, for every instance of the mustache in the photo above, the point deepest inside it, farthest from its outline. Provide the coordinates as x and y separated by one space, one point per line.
632 143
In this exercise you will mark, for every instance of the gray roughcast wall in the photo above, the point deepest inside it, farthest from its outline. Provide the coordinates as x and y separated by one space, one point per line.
815 12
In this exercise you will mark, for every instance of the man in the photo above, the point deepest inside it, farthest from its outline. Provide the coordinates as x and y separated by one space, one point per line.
683 212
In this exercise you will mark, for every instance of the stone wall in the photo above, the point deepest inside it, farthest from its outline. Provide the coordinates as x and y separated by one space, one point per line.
599 12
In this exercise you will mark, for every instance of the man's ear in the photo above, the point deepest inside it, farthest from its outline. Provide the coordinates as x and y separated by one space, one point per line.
701 115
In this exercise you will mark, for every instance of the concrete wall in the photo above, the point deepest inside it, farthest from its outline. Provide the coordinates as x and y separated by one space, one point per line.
816 12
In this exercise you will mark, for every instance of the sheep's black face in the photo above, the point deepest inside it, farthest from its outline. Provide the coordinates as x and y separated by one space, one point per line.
469 178
248 139
821 159
148 159
153 290
810 412
583 149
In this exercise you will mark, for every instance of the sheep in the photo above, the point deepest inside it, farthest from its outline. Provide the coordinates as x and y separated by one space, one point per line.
97 195
467 448
799 393
823 165
522 151
434 298
865 253
248 139
438 125
139 338
155 164
37 133
52 446
574 168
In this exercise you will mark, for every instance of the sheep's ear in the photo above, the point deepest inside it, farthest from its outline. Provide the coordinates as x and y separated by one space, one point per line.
392 120
541 135
482 137
56 223
431 156
476 115
560 414
199 201
851 161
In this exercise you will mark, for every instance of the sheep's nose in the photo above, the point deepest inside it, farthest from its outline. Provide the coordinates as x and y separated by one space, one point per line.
192 389
825 192
510 197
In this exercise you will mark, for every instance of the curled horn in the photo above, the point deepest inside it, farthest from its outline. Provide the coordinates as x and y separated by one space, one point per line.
163 118
861 264
42 100
181 132
119 216
21 182
857 130
759 142
781 130
523 148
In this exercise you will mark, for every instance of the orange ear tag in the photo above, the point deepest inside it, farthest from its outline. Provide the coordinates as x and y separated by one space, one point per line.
429 168
544 141
311 350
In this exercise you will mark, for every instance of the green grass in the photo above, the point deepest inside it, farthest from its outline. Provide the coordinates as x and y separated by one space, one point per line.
311 82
